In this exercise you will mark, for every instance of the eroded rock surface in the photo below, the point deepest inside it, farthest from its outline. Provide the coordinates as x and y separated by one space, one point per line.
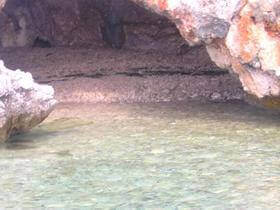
23 103
241 35
84 23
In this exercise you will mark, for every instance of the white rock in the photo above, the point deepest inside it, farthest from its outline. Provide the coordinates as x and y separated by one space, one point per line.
23 103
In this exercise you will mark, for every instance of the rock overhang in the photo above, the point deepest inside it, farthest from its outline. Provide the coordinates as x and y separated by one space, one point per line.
240 35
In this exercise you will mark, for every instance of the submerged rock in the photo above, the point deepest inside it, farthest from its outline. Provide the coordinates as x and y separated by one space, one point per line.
23 103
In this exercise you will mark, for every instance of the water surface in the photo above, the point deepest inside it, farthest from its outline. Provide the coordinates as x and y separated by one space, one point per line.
146 156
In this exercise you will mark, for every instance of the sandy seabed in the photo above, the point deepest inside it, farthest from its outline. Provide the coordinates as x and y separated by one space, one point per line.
90 75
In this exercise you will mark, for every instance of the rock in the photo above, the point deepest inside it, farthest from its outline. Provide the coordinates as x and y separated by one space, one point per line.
216 96
95 23
240 35
112 29
23 103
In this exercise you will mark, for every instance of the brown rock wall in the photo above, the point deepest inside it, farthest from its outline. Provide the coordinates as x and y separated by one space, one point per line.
240 35
80 23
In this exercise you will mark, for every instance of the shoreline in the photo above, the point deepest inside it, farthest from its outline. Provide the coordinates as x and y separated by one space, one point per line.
81 75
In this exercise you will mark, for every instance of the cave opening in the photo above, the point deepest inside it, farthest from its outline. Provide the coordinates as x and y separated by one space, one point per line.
179 153
116 50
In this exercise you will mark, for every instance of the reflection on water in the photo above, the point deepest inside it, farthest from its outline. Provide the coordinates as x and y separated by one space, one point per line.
146 156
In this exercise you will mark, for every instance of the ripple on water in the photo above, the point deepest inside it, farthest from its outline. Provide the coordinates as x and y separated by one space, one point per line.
147 156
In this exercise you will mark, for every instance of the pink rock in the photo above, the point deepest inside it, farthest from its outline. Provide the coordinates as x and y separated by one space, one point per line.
243 36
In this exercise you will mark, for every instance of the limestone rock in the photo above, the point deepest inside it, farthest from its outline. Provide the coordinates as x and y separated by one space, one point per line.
23 103
243 36
240 35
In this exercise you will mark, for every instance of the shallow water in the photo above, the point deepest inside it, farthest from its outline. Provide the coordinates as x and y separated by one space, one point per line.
146 156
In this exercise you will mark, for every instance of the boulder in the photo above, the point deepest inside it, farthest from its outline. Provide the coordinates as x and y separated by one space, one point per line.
23 103
240 35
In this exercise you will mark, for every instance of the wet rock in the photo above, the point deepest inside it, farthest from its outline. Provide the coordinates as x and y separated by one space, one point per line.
23 103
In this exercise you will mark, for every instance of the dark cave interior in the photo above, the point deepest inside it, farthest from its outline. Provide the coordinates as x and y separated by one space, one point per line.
58 40
115 24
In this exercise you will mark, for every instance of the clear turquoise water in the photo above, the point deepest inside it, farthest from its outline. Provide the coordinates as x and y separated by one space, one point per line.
147 156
